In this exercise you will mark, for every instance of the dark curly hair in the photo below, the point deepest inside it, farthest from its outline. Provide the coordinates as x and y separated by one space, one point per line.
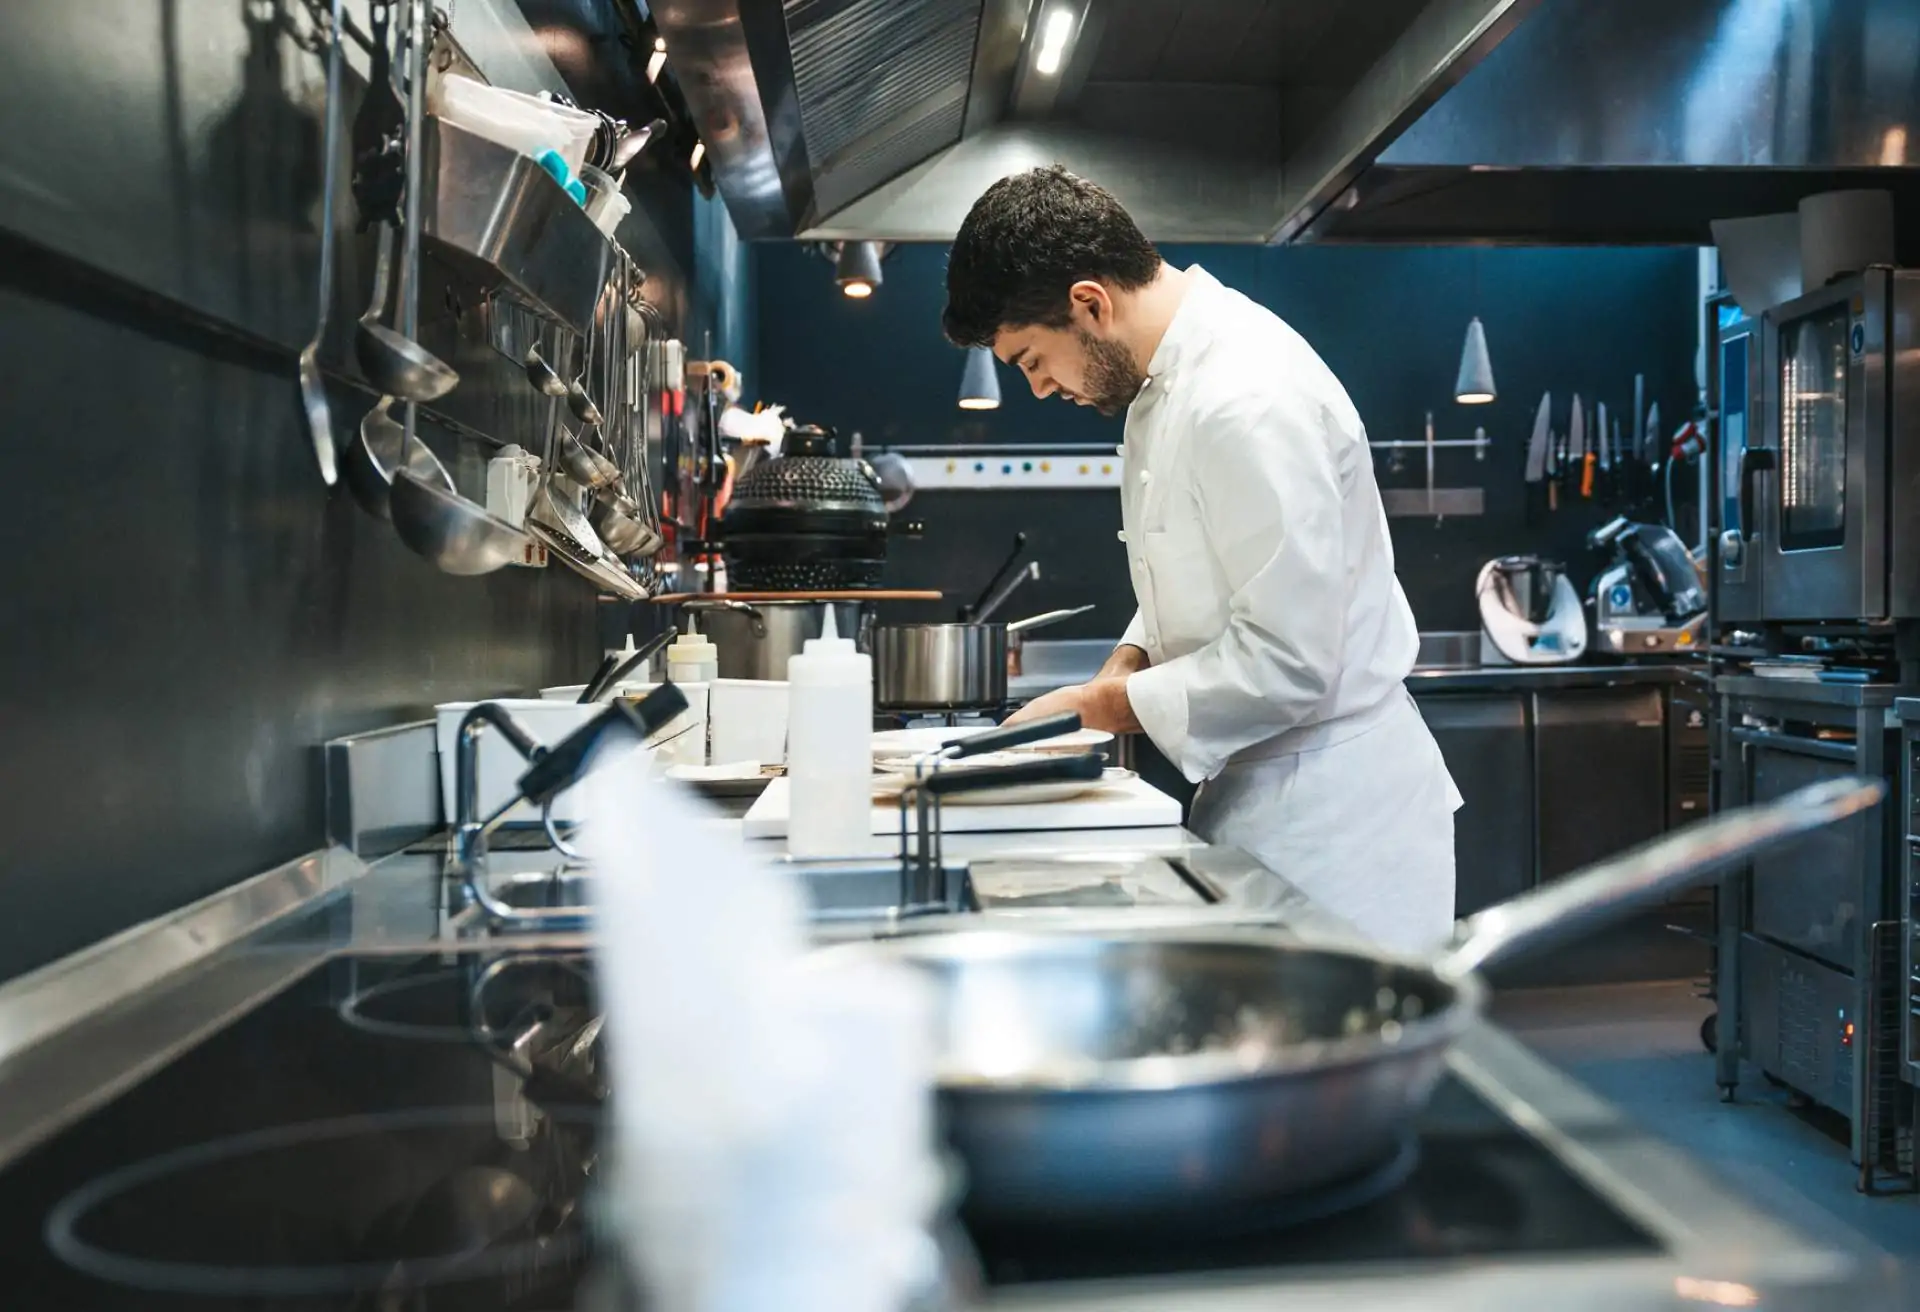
1026 241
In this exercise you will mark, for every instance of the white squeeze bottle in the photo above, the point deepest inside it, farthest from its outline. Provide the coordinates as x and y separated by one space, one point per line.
692 658
829 747
693 663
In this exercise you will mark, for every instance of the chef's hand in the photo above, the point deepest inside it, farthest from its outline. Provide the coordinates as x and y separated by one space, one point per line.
1101 704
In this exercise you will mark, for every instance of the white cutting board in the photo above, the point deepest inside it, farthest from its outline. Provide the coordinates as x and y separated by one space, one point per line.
1132 804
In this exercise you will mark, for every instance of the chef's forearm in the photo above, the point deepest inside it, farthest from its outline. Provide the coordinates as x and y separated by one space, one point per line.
1107 706
1126 659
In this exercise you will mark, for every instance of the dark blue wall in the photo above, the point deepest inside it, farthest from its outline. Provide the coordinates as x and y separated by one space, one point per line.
1388 320
189 612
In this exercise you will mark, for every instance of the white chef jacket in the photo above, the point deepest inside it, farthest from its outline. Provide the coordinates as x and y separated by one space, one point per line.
1261 562
1257 542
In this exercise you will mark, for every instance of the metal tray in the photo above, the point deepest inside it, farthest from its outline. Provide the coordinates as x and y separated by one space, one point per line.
504 219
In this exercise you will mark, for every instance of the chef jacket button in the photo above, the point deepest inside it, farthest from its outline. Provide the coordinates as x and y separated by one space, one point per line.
1145 474
1122 535
1153 639
1120 450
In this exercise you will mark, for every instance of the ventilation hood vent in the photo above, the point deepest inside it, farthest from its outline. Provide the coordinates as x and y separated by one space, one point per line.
1544 121
1641 121
1212 120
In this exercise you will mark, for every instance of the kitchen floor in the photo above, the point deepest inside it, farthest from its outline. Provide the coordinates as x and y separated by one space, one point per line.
1638 1046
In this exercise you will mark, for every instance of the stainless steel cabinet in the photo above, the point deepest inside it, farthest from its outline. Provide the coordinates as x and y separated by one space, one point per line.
1485 742
1601 770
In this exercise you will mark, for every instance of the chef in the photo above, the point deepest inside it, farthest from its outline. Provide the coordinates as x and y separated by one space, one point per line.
1272 641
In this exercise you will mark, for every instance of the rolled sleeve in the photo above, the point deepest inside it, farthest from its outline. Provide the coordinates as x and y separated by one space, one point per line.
1271 502
1136 634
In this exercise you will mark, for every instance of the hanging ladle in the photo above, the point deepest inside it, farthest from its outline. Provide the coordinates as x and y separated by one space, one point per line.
457 535
577 399
393 361
541 374
313 386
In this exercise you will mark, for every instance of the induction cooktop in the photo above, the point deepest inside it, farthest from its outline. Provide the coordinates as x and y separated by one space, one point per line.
422 1132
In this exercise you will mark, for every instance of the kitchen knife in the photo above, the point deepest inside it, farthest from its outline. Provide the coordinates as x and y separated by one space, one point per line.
1580 456
1537 444
1655 453
1604 480
1556 464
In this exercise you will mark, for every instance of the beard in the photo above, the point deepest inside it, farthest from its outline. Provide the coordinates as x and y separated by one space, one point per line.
1113 379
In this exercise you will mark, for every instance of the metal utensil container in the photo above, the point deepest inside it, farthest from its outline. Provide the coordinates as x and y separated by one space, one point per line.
939 667
756 639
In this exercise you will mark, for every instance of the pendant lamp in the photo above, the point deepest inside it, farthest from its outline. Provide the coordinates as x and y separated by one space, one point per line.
979 384
857 268
1475 384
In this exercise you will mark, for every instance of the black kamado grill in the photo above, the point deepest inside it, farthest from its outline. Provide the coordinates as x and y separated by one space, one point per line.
805 520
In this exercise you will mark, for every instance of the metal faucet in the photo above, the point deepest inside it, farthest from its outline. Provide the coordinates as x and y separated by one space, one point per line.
551 771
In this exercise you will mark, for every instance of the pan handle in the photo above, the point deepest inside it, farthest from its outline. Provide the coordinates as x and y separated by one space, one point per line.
943 783
1649 873
1047 617
995 740
971 613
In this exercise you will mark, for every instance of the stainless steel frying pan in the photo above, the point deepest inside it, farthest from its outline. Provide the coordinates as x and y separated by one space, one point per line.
1117 1077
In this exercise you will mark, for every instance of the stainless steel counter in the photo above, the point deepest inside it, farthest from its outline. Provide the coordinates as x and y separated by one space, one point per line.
1529 678
135 1003
1050 665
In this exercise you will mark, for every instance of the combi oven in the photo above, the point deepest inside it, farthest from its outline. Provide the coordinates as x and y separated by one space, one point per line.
1821 460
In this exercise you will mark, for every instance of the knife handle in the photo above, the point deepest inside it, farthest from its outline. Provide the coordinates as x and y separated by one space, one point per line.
1586 475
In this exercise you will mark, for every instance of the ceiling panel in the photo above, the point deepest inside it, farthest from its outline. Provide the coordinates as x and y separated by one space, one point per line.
1284 40
1205 40
1355 38
1134 34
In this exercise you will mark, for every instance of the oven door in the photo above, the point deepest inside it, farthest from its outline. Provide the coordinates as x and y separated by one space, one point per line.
1823 529
1737 557
1807 894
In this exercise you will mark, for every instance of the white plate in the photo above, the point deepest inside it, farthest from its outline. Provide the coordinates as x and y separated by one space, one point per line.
1050 790
914 742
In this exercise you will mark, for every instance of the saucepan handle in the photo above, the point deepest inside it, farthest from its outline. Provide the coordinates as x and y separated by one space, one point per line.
1650 873
1032 731
944 783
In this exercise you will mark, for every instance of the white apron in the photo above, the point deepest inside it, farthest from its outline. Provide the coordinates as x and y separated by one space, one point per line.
1364 826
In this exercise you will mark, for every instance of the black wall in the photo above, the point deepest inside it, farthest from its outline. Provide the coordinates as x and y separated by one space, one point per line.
189 612
1390 322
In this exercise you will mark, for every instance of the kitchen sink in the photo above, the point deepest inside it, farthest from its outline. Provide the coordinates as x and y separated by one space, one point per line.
855 890
869 890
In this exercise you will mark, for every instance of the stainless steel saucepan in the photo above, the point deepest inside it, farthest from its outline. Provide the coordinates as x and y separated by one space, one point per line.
1115 1078
947 667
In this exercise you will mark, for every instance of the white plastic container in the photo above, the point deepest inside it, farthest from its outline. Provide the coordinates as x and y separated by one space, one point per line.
609 210
747 721
692 658
511 478
516 120
830 747
499 765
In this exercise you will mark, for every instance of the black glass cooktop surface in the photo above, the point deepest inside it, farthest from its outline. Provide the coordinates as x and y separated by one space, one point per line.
422 1132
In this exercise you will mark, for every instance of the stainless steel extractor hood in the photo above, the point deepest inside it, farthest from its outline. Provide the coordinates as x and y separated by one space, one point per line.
1640 121
1212 120
1623 121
